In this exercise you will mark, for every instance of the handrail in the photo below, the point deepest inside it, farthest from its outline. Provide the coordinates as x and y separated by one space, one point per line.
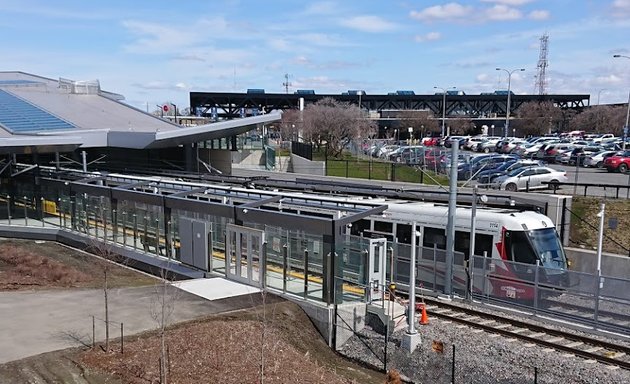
556 184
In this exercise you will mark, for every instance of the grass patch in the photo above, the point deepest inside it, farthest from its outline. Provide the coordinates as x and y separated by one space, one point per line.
379 170
584 231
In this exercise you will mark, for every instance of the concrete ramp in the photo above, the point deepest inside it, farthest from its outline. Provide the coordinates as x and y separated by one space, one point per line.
215 288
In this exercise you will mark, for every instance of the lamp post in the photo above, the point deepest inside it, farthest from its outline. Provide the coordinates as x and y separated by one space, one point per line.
443 105
599 94
625 128
507 108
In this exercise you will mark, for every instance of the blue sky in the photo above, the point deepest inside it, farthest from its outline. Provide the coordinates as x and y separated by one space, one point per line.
157 51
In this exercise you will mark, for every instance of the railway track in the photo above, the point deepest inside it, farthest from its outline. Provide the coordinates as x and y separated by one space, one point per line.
586 347
607 319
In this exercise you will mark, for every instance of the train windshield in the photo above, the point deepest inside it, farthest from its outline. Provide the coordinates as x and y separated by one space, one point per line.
547 246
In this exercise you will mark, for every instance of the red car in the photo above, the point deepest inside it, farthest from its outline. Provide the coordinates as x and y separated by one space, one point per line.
431 141
619 162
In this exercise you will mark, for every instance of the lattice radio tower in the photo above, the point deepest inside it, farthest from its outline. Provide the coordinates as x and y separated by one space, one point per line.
541 75
286 83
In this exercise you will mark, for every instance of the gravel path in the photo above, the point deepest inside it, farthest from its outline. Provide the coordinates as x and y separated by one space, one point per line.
481 358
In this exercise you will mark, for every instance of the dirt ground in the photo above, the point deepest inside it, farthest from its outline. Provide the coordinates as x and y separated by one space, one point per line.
223 348
32 265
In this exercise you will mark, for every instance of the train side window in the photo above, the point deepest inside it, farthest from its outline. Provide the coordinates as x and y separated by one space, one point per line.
483 243
462 243
383 226
360 226
433 236
403 233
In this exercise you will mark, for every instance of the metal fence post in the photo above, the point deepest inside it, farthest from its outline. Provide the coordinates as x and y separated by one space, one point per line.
9 209
434 266
453 367
536 287
305 273
122 342
285 266
597 291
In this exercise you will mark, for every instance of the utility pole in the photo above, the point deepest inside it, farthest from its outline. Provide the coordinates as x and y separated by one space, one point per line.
286 83
450 226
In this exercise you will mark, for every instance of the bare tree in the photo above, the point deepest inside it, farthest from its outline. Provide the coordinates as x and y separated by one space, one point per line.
461 126
289 125
538 118
163 306
335 124
600 118
421 122
105 251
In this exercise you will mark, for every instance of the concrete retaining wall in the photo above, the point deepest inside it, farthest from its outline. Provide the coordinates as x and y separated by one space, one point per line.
584 260
307 167
350 319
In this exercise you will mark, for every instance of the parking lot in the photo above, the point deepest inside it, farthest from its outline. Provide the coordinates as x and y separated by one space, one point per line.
521 165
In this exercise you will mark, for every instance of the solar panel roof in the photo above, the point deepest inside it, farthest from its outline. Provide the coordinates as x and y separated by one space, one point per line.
18 115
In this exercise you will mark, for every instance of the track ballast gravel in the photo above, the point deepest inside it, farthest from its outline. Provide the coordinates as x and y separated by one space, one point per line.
480 358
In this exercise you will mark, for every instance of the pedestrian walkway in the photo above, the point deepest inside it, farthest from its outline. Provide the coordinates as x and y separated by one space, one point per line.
215 288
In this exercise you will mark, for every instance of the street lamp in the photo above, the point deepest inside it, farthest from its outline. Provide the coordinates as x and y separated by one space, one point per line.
599 94
625 128
507 109
443 105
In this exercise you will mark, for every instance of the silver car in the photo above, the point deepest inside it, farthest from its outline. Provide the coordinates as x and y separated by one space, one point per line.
529 178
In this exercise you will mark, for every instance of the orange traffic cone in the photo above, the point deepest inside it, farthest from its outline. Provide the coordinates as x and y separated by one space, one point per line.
424 319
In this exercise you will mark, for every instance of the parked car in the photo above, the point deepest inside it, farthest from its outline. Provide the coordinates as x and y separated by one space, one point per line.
529 178
596 160
431 141
450 139
408 154
554 151
487 146
472 142
579 154
487 177
619 162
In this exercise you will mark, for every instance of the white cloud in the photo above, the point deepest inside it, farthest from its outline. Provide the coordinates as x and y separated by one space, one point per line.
621 8
431 36
368 23
301 60
321 40
539 14
321 8
279 44
450 11
152 37
513 3
502 12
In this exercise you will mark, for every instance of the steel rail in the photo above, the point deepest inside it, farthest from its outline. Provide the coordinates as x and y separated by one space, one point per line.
612 347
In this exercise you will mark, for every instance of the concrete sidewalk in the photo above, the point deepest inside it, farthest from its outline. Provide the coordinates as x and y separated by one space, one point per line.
34 322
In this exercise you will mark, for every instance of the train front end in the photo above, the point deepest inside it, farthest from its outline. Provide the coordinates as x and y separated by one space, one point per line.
534 264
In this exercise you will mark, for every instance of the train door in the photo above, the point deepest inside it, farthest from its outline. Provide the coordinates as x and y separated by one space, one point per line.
377 262
243 254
